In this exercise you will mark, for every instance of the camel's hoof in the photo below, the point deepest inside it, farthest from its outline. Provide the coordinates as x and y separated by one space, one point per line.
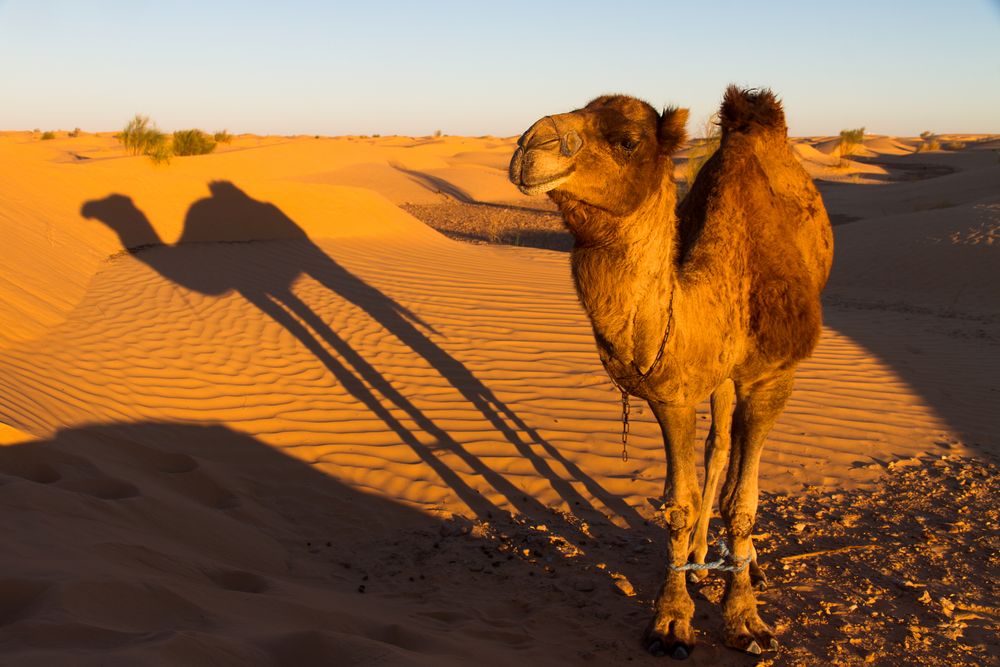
758 580
680 652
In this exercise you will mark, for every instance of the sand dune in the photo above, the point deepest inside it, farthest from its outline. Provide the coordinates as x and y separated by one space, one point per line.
289 424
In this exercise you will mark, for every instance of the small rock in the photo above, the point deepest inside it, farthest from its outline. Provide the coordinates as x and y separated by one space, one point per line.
947 606
622 585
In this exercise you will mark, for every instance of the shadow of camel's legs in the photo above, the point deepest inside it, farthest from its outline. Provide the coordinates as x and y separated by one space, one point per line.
517 498
475 501
562 487
387 313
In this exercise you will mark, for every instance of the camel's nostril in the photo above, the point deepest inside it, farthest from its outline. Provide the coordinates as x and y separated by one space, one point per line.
571 143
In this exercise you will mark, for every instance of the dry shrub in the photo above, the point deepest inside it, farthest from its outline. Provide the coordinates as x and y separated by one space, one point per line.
930 142
850 140
707 144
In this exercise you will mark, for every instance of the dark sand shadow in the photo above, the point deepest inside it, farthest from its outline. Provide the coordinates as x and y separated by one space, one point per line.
212 536
880 323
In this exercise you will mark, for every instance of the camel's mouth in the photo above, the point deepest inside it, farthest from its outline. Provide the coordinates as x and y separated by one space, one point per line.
543 187
524 168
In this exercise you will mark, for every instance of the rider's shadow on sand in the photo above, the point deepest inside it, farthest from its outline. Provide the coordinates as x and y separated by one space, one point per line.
269 288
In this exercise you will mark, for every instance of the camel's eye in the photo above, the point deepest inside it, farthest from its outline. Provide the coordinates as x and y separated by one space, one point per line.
628 144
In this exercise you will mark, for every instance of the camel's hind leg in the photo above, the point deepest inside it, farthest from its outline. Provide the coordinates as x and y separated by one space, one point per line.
717 447
716 456
758 406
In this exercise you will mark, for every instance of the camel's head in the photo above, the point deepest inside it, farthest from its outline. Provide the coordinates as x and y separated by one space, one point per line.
120 214
612 154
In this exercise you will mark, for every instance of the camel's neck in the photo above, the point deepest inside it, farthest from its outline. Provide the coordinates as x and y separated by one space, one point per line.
135 231
624 268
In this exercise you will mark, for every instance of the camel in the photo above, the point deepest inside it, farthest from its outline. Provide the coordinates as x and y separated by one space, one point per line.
719 297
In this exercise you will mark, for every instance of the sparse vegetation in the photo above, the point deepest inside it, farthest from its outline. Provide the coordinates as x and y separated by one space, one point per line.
437 133
141 137
930 142
49 134
160 153
954 145
707 144
192 142
850 140
75 133
223 137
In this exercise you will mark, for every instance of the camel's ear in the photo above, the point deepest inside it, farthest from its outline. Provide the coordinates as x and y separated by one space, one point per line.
672 132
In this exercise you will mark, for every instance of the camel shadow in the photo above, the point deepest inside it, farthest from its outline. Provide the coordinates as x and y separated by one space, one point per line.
269 288
160 529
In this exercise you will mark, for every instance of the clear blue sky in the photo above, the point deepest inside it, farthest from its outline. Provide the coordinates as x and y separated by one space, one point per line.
467 67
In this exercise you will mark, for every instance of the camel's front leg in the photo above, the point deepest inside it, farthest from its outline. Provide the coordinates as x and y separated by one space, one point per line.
670 630
757 407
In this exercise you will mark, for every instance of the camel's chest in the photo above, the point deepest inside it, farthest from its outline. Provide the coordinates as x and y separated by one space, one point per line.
666 346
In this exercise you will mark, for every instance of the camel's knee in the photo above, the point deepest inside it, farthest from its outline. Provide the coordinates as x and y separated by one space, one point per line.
681 517
739 523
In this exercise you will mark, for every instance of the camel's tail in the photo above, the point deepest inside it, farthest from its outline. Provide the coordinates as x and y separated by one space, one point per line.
751 110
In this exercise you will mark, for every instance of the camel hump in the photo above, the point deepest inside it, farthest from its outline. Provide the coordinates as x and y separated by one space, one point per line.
748 110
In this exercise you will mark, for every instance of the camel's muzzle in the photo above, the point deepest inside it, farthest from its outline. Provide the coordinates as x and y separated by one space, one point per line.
544 156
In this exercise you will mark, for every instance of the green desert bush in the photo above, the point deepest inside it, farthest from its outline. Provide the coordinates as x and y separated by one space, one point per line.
160 153
223 137
141 137
49 134
850 140
192 142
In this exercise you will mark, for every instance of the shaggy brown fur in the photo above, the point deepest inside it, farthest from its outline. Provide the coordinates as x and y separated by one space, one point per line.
721 298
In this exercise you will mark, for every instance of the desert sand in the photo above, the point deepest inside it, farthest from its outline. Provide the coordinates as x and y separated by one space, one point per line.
297 425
